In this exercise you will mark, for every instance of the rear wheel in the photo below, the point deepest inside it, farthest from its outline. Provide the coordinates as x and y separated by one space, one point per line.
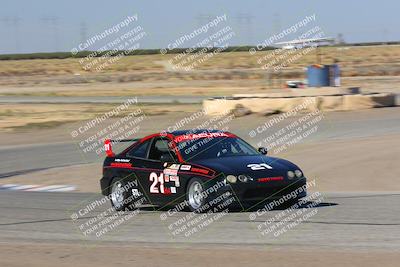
120 195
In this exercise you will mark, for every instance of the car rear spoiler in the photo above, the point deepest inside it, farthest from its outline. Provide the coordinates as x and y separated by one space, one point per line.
108 146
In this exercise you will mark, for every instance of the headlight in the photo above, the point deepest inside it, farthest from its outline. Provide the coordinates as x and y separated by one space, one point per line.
245 178
231 179
290 174
298 173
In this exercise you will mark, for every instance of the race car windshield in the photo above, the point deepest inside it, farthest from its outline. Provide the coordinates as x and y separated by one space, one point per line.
205 148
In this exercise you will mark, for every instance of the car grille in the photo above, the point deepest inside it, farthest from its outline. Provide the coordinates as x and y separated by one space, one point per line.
276 191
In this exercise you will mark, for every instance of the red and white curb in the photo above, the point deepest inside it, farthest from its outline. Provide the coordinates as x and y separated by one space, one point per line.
37 188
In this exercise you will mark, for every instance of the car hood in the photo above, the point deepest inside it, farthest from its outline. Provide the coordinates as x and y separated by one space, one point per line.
240 165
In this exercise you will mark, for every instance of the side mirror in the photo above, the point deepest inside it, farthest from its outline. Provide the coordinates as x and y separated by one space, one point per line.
263 150
167 157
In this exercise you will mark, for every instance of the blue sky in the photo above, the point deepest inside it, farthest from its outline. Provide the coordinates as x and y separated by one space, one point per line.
60 25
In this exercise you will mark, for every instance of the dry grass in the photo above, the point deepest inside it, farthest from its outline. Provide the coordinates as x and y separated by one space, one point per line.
17 117
351 57
223 74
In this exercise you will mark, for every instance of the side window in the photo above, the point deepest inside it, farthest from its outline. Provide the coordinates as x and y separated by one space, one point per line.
160 147
139 151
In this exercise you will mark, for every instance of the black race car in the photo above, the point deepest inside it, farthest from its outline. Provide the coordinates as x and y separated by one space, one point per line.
172 168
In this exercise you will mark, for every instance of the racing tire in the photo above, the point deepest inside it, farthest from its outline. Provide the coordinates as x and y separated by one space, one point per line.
196 200
119 196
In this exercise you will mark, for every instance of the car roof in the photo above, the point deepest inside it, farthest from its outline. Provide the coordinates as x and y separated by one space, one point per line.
194 131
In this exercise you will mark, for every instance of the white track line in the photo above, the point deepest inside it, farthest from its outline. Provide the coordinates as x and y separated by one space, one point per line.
38 188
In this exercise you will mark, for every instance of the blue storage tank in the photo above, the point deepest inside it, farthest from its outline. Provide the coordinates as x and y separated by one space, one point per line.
318 75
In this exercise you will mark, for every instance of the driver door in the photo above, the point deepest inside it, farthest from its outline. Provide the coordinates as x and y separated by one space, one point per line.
157 182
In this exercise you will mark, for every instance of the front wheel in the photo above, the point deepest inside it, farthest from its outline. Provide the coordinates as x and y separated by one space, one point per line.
196 195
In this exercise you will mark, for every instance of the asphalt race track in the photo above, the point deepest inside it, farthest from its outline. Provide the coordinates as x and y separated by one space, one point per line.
360 228
345 220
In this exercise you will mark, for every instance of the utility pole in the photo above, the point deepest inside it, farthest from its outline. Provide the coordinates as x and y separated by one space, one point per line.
12 23
245 24
53 22
83 32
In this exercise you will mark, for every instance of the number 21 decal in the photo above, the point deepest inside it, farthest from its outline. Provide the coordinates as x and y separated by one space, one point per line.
260 166
157 183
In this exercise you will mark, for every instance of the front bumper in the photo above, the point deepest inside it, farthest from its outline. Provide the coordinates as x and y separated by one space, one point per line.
254 192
